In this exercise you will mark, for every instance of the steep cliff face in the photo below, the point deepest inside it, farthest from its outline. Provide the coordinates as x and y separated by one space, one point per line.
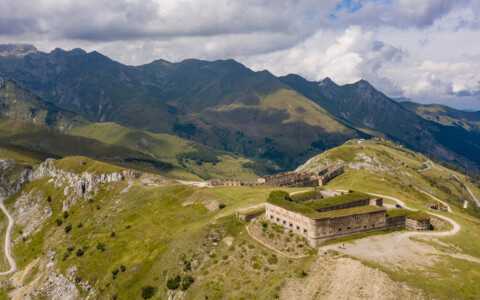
71 182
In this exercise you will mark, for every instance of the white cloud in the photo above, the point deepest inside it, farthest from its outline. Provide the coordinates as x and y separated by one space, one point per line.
420 49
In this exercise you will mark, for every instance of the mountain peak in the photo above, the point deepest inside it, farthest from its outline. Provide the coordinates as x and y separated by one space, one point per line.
327 81
17 49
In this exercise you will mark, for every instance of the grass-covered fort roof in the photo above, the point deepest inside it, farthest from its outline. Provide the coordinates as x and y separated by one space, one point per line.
279 198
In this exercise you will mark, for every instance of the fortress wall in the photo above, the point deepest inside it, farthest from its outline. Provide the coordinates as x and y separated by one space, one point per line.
412 224
318 231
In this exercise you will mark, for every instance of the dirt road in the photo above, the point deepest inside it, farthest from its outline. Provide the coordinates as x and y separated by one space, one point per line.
11 261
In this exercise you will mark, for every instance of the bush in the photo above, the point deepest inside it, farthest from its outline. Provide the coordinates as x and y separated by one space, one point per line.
272 259
79 252
303 273
148 291
186 282
221 206
80 225
68 228
123 268
49 199
58 222
112 234
114 273
225 257
65 214
101 247
174 283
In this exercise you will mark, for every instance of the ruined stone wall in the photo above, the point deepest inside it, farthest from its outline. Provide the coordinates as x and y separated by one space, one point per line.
333 172
309 198
246 217
363 202
412 224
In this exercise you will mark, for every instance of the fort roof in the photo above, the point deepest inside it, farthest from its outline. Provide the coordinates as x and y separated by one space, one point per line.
278 198
416 215
303 195
349 211
278 175
337 200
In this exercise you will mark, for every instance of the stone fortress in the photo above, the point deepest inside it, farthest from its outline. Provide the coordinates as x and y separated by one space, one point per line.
286 179
319 217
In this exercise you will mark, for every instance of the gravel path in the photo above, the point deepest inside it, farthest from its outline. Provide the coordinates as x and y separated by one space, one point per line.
11 261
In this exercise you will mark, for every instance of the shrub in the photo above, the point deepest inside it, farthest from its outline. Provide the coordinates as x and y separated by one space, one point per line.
186 282
68 228
112 234
65 214
303 273
264 224
80 225
49 199
123 268
225 257
272 259
90 200
114 273
58 222
174 283
256 266
101 247
98 207
271 235
221 206
79 252
148 291
128 227
251 246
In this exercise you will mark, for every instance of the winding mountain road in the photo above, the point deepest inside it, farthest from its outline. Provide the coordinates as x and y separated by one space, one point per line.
455 229
11 261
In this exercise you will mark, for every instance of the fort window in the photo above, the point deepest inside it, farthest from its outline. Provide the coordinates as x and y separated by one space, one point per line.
278 219
304 231
284 222
291 225
271 217
364 226
298 227
348 227
339 229
373 225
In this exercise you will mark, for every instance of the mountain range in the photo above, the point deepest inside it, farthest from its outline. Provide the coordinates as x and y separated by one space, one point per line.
277 121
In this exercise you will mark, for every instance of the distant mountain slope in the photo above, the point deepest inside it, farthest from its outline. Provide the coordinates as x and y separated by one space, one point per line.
222 104
445 115
364 107
16 102
158 153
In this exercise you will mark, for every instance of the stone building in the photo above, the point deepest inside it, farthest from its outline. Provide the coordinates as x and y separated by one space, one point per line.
216 182
322 220
232 182
413 224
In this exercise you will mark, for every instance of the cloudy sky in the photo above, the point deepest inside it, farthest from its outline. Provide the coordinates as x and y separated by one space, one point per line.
428 50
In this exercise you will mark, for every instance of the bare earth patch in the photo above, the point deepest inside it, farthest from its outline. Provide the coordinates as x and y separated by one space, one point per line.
345 278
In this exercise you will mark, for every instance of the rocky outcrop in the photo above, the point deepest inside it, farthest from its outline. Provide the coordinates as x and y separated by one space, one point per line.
12 179
81 184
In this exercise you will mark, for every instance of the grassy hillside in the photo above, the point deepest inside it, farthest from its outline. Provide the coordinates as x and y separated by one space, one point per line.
127 236
27 141
445 115
203 161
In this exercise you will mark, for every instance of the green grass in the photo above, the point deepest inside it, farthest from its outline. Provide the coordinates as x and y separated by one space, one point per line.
278 198
337 200
415 215
155 232
191 156
303 195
